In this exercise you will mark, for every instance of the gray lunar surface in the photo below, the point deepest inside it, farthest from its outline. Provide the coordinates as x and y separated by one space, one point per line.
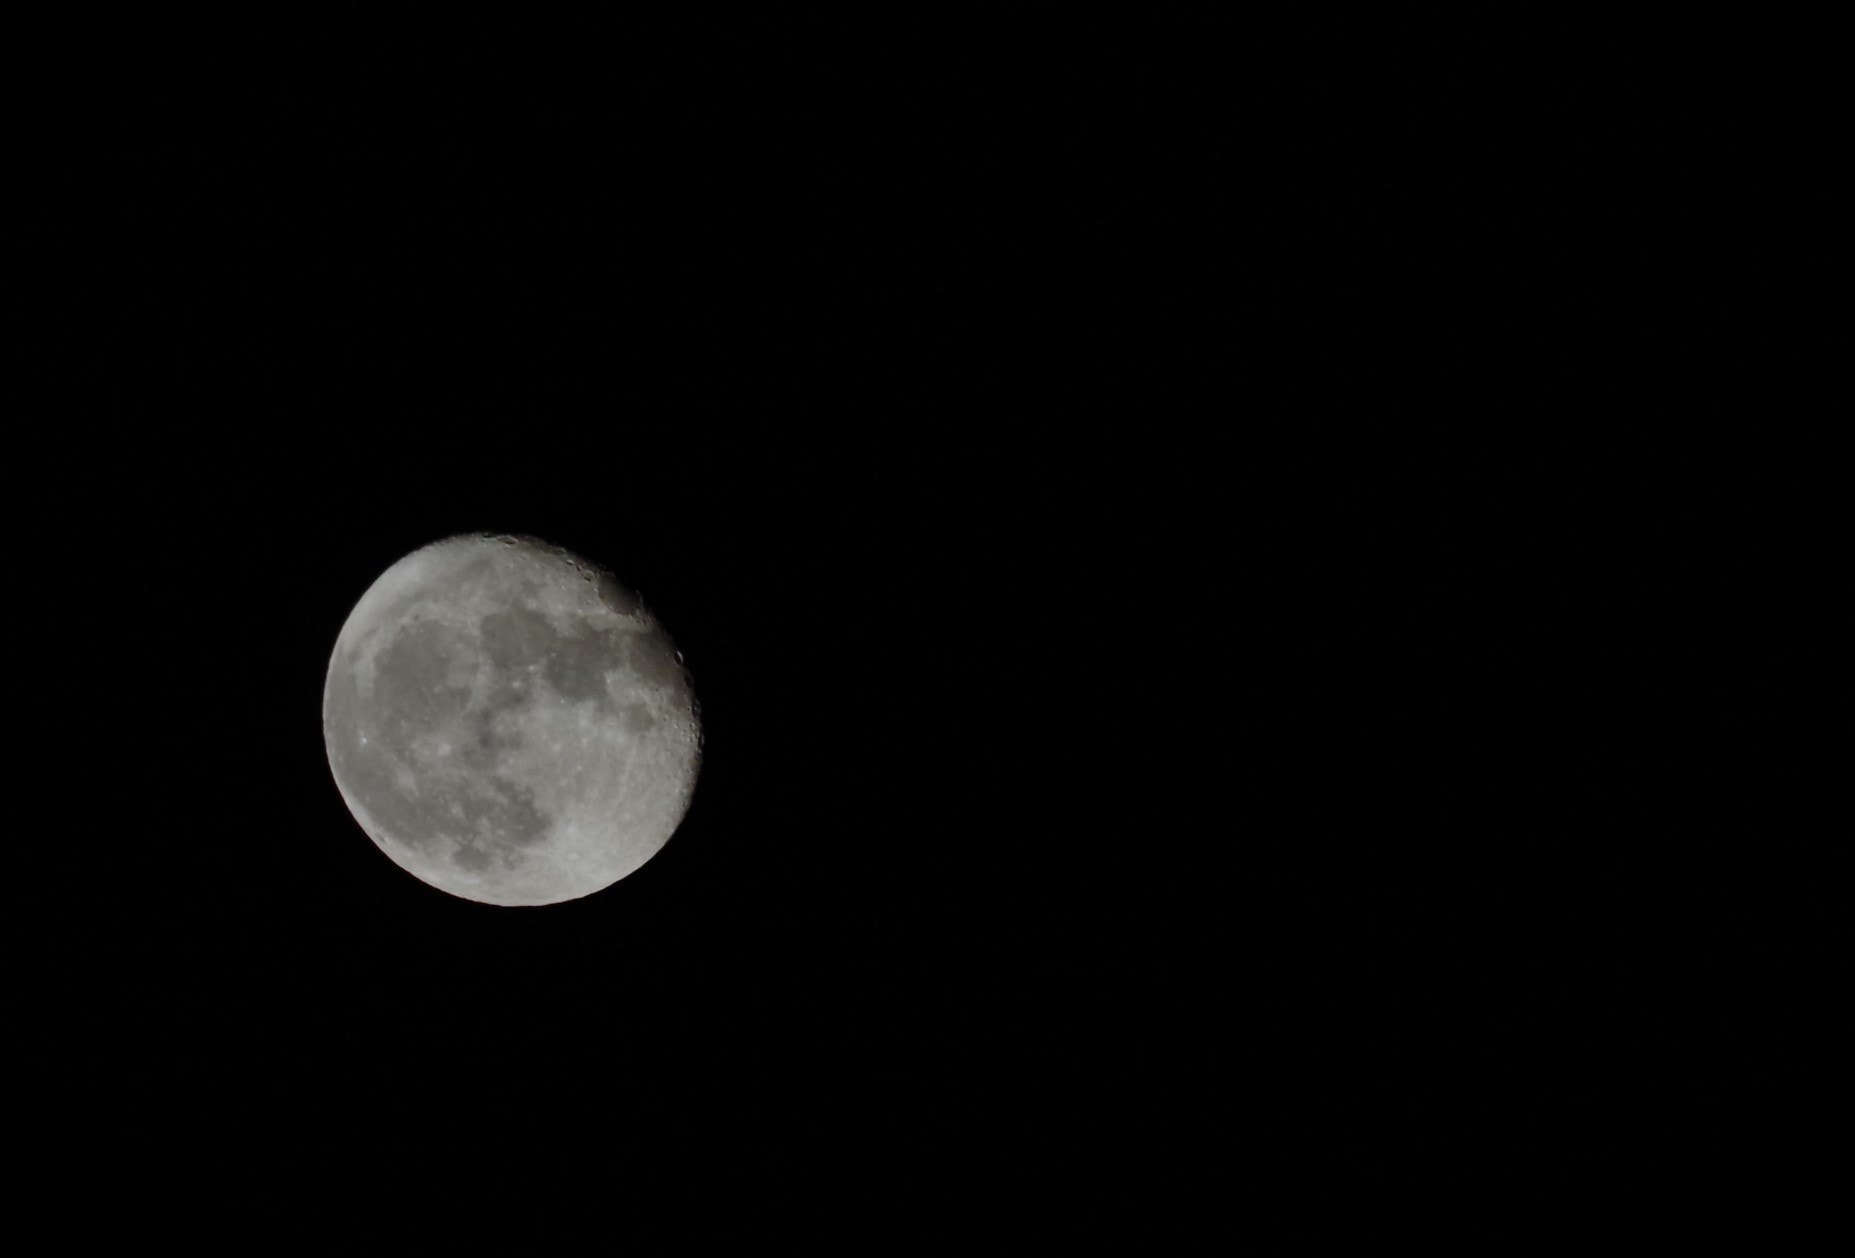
508 723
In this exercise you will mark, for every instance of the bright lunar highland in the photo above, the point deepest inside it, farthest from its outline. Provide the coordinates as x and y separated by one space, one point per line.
508 723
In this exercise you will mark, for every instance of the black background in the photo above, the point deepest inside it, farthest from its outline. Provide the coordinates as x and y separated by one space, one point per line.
1192 702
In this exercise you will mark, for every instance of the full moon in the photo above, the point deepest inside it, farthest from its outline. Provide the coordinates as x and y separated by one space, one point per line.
508 723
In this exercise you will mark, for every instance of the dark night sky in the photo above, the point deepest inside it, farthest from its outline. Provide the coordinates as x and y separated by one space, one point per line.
1181 685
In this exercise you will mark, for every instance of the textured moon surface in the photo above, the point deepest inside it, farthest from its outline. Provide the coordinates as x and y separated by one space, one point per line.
508 723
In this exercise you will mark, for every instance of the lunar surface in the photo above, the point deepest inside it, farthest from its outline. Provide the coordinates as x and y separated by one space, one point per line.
508 723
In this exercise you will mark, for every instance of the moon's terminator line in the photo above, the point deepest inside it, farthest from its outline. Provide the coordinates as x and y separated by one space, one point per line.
508 723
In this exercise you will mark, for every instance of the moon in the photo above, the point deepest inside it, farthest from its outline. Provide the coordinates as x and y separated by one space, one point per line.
508 723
